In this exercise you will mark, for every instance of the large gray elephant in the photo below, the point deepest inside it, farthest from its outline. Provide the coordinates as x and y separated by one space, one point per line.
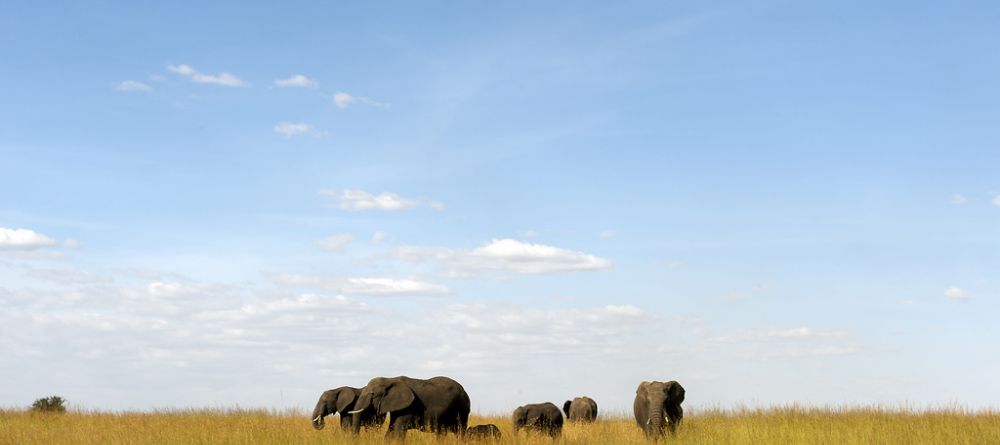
580 409
656 402
341 400
438 404
541 417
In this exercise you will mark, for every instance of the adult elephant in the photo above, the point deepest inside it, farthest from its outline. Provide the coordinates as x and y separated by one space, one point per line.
656 402
542 417
580 409
438 404
342 400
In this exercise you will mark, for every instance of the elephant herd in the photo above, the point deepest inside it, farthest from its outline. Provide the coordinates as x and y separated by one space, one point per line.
441 405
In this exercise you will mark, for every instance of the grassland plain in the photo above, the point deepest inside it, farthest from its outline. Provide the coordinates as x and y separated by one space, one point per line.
782 425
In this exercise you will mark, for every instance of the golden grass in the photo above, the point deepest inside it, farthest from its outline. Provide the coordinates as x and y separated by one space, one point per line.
746 426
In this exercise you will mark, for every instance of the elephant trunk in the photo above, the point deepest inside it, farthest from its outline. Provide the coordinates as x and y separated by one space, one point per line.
356 421
317 417
656 418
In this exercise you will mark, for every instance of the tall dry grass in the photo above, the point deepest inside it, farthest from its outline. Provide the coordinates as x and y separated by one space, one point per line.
745 426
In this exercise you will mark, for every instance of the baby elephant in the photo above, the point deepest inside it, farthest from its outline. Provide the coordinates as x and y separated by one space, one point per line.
580 409
483 432
541 417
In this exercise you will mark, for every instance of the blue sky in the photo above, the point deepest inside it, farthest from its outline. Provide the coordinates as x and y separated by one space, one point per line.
769 202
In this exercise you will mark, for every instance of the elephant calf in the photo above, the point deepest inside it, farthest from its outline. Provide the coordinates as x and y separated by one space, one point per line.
656 402
488 432
541 417
580 409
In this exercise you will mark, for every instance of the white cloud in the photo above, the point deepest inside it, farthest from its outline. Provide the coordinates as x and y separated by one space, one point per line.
391 286
335 243
297 80
64 276
343 100
507 255
366 286
132 86
23 239
360 200
957 294
71 243
378 237
626 309
222 79
304 302
958 199
607 233
801 333
289 129
996 200
528 330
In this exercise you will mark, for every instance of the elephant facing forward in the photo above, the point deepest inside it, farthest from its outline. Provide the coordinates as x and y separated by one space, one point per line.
656 402
541 417
438 404
580 409
341 400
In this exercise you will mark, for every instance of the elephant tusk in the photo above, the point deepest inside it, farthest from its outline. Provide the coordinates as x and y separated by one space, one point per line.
355 411
318 418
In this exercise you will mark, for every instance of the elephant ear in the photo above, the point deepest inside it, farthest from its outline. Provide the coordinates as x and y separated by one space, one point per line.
675 391
345 399
566 407
397 396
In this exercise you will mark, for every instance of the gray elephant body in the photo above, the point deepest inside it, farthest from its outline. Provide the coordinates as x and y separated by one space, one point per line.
487 432
542 417
658 405
438 404
580 409
341 400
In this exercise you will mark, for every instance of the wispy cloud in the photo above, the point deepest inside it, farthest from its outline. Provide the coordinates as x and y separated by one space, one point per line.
957 294
996 200
607 233
344 100
289 129
366 286
222 79
360 200
336 243
506 255
132 86
23 239
780 334
958 199
297 80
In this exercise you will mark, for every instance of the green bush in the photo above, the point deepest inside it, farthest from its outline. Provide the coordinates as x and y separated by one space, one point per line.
53 404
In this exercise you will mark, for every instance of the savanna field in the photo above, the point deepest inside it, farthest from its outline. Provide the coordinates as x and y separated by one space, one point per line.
748 426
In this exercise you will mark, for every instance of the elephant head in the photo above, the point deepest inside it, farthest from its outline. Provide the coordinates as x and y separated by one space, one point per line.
384 395
519 418
660 400
331 402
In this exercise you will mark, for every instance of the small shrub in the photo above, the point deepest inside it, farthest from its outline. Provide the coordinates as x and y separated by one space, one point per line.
53 404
